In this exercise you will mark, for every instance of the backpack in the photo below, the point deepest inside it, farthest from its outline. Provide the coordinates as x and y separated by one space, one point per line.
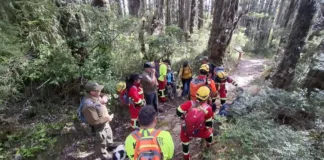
195 84
195 119
79 112
186 71
147 148
124 98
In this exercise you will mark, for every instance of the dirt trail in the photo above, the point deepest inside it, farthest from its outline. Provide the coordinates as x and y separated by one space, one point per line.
247 71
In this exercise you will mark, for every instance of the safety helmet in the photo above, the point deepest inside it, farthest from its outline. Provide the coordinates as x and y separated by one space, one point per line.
203 93
120 86
204 67
221 75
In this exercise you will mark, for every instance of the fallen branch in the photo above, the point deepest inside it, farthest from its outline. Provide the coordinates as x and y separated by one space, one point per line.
43 84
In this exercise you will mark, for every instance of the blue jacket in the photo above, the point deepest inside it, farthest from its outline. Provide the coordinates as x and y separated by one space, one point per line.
170 77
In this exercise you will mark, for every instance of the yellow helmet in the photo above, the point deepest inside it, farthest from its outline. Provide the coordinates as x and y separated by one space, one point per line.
221 75
203 93
204 67
120 86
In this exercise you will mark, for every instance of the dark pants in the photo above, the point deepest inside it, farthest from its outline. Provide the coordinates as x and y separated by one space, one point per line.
151 99
185 87
173 86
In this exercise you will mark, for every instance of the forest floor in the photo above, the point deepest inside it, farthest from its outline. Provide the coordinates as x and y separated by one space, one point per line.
81 146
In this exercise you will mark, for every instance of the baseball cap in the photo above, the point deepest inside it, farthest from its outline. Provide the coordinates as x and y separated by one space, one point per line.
148 65
93 86
204 58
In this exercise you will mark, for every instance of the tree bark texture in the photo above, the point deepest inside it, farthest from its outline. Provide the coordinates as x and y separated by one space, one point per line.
174 11
119 7
168 12
192 16
181 14
200 13
133 7
284 73
187 14
222 25
280 13
161 10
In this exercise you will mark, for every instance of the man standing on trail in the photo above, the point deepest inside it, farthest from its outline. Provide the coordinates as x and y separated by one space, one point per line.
205 60
197 120
221 80
148 142
149 83
163 70
96 115
203 80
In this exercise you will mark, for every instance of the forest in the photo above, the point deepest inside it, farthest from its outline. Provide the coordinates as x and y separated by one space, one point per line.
274 49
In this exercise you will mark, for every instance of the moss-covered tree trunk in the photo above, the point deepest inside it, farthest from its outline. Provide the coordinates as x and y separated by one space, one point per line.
284 73
222 27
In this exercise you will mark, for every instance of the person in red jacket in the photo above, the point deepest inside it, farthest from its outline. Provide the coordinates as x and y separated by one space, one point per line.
221 80
197 120
136 96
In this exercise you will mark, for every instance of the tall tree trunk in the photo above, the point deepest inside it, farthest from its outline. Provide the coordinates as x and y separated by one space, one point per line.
284 73
181 14
290 12
280 13
168 12
223 26
124 7
273 23
289 15
174 12
212 6
200 13
192 16
119 7
161 10
142 8
133 7
187 14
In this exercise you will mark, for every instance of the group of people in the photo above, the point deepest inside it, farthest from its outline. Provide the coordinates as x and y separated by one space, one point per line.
142 92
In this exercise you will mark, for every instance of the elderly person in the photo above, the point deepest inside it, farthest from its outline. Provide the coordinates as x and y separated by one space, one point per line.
96 115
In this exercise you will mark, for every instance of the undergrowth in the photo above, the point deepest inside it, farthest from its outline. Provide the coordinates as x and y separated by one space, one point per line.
28 142
273 125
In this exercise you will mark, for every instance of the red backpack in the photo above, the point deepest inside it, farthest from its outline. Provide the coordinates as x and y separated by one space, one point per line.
195 119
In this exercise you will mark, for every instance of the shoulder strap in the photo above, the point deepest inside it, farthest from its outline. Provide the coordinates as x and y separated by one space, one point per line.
155 133
204 107
136 135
